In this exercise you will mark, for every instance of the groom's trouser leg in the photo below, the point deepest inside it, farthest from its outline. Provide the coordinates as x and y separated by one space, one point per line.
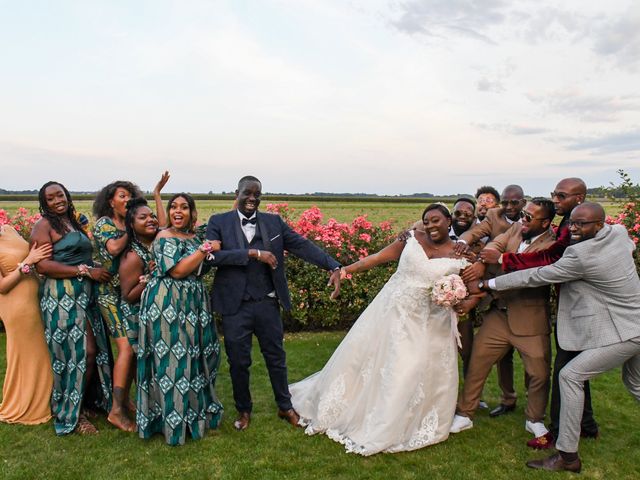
588 424
589 364
237 330
269 330
535 351
489 345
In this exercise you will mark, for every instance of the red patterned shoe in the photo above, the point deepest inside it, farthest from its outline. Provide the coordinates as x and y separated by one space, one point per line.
542 442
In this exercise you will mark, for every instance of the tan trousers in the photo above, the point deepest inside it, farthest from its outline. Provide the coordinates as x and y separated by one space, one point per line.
491 343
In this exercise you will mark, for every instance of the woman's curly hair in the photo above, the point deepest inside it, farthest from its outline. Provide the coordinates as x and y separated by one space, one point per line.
102 206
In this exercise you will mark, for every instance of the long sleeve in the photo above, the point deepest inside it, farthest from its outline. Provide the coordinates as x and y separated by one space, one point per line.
512 262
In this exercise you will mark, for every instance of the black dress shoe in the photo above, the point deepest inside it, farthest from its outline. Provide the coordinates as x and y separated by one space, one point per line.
243 420
290 416
501 410
555 463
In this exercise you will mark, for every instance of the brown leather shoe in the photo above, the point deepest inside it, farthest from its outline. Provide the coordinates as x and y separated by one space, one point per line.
243 420
555 463
290 416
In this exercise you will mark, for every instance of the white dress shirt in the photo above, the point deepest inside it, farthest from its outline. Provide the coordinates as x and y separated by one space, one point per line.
248 229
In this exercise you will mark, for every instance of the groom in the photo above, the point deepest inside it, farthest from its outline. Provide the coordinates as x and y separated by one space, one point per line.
250 286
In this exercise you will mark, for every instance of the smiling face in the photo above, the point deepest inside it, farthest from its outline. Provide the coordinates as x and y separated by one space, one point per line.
56 199
119 201
180 215
248 197
145 223
437 225
463 217
585 222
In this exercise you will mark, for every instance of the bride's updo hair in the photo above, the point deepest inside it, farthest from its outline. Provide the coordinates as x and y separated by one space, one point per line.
441 207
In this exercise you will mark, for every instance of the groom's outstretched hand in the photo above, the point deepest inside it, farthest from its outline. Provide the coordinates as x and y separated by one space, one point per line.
334 280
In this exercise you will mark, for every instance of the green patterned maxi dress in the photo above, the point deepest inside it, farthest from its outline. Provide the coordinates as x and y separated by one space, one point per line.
109 293
67 306
130 311
178 352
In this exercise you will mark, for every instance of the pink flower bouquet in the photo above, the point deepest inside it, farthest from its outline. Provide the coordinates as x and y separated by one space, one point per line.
448 291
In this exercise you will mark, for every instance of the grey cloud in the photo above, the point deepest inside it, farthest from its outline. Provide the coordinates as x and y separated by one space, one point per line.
513 129
438 17
486 85
609 143
589 108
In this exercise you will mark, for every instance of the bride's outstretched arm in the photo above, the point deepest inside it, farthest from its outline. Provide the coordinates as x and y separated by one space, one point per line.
387 254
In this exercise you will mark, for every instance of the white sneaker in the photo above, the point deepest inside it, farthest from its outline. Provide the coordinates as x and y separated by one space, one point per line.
537 428
460 423
483 405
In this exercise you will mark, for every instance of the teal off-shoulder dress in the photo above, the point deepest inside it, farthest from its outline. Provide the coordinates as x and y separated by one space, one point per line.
109 293
68 305
178 351
130 311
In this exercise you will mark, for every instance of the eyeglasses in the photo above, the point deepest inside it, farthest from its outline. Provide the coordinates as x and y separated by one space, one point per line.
460 213
528 217
513 203
563 195
581 223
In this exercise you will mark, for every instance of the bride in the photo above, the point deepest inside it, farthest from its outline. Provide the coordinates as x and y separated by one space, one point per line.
392 383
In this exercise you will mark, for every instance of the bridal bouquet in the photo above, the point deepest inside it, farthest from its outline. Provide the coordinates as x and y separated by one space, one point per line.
448 291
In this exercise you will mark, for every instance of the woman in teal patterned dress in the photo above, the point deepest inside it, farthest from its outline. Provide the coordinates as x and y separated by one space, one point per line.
178 352
136 263
110 239
75 335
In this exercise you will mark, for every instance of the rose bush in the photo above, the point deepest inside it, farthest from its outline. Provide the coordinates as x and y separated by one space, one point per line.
629 215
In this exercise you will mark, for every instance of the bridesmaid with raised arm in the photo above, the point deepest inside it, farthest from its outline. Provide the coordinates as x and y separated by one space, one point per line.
78 343
110 239
26 391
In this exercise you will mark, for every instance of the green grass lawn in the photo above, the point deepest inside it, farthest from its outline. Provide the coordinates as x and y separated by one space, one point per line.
271 449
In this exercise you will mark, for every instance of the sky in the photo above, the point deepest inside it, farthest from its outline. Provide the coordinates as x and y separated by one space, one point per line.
377 96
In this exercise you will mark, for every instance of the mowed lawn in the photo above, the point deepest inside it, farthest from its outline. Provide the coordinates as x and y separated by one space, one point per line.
271 449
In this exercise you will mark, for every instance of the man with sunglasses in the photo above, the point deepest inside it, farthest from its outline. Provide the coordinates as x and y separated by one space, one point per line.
496 222
516 319
597 316
568 194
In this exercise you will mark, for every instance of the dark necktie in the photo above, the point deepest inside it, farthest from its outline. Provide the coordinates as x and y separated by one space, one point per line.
252 221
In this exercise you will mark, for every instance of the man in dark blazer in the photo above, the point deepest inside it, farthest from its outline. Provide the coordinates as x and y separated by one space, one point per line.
250 286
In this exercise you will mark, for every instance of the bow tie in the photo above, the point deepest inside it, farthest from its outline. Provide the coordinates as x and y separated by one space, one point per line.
252 221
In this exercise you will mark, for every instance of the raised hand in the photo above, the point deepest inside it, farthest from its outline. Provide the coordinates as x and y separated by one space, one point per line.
161 183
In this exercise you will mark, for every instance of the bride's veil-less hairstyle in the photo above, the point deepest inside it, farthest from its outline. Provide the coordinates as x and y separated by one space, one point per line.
56 220
441 207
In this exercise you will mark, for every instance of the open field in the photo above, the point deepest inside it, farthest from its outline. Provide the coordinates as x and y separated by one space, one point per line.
401 214
270 449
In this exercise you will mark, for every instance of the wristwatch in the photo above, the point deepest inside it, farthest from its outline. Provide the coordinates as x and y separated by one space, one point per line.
481 284
500 259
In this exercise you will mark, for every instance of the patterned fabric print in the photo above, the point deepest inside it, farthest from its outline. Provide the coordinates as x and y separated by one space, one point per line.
178 352
130 311
109 293
67 306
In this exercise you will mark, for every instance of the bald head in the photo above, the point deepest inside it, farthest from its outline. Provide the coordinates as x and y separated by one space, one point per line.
592 211
572 185
513 190
569 193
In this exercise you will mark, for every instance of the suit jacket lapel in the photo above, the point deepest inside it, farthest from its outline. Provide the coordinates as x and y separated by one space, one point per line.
537 240
266 241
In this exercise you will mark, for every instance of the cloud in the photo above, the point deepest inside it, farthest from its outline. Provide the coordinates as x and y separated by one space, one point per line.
588 108
486 85
619 39
441 18
607 144
514 129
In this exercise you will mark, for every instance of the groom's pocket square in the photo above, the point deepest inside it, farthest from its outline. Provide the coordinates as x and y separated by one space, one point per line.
272 239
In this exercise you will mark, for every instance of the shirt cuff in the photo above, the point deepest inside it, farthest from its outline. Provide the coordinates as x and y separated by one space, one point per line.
491 283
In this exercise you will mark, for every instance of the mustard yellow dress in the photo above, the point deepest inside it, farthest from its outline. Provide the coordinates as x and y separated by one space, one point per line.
26 392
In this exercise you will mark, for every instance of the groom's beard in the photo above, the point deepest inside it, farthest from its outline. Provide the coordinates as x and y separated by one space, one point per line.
460 229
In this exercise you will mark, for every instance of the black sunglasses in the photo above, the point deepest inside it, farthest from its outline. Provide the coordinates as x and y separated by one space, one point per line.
513 203
580 223
563 195
528 217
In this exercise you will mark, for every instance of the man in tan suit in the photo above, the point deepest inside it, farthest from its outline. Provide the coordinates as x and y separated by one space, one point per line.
519 319
496 222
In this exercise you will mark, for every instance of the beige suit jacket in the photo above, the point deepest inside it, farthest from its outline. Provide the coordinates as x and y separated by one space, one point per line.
493 225
527 308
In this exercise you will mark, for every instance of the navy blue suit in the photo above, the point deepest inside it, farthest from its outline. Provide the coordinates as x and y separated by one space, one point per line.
242 293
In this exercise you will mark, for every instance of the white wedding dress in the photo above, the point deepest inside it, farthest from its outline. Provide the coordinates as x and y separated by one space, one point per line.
392 383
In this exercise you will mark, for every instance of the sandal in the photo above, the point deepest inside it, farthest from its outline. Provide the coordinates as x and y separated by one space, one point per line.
85 427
